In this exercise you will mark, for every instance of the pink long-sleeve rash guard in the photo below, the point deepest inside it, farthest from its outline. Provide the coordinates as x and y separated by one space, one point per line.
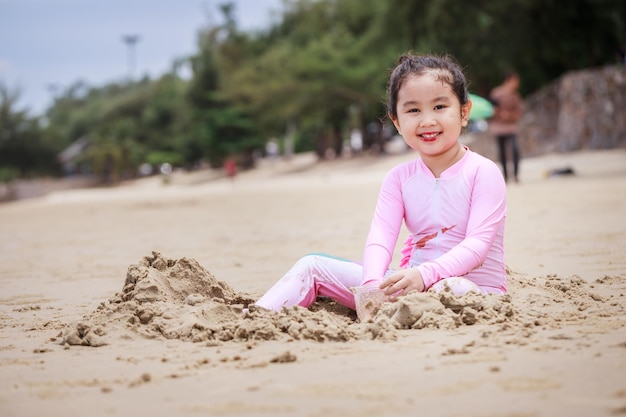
456 223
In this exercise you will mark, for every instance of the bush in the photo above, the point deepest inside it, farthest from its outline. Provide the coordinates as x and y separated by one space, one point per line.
156 158
8 174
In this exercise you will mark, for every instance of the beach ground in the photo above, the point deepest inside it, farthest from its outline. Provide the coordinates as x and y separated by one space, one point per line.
64 254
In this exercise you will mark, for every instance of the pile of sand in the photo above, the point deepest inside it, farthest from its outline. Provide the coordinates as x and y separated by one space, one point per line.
179 299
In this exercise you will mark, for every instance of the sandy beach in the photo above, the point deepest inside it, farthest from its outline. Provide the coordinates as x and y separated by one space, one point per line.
127 301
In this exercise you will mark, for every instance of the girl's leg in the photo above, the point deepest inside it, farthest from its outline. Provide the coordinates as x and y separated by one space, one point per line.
314 275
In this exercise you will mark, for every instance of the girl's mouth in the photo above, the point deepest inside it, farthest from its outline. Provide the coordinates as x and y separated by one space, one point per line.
429 136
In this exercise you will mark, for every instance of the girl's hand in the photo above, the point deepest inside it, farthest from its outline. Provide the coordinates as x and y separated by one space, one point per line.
402 282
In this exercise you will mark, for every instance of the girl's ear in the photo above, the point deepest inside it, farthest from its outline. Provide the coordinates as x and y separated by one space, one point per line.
395 122
465 113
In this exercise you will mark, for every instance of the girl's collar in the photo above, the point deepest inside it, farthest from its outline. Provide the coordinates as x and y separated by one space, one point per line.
453 169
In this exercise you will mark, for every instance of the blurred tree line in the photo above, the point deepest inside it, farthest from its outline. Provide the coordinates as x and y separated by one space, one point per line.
316 72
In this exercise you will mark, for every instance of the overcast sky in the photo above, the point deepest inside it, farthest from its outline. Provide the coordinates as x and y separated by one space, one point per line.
48 44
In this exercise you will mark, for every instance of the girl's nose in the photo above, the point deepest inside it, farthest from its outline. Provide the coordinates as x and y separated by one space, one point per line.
427 120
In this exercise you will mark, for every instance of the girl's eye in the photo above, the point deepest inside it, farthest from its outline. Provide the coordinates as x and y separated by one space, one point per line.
412 110
439 107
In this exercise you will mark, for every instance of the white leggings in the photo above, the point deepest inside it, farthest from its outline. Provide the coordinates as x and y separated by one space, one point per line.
321 274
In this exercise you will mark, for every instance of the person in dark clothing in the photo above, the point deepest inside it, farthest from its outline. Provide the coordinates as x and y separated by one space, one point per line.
508 108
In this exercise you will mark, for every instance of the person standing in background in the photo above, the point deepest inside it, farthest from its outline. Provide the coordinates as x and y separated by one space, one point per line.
230 166
508 108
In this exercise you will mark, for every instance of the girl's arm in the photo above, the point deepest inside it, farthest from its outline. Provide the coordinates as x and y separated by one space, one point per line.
384 230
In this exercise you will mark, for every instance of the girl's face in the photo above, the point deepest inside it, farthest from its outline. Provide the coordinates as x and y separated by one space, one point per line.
430 116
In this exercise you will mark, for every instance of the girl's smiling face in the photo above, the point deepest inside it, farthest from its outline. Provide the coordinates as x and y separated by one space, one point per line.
430 116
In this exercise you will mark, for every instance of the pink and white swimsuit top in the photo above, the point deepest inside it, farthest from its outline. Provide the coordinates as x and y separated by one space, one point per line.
456 223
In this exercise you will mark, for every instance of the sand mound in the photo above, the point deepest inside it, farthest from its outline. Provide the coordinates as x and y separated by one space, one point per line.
179 299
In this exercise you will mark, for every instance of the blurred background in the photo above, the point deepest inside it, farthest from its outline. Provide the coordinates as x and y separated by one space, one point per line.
110 91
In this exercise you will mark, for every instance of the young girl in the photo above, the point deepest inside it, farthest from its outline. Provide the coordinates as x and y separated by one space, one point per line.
452 200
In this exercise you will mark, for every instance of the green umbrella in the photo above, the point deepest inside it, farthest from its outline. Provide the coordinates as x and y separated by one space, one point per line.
481 108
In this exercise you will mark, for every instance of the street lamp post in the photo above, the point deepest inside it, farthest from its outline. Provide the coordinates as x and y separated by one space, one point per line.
130 41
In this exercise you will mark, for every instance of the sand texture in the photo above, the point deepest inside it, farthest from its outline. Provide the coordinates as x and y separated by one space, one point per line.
136 300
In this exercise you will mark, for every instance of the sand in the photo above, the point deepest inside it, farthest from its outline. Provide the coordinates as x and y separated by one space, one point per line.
132 301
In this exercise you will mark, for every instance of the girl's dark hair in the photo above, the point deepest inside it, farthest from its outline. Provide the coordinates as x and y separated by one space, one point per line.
445 68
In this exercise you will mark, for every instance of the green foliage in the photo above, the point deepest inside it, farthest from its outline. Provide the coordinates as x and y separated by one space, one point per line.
156 158
8 174
124 123
219 127
541 39
23 153
317 67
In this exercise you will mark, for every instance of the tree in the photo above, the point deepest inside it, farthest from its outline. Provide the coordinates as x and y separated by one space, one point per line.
541 39
22 153
315 67
219 128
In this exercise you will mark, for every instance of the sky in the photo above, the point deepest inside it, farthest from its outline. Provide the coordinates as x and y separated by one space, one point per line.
48 45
